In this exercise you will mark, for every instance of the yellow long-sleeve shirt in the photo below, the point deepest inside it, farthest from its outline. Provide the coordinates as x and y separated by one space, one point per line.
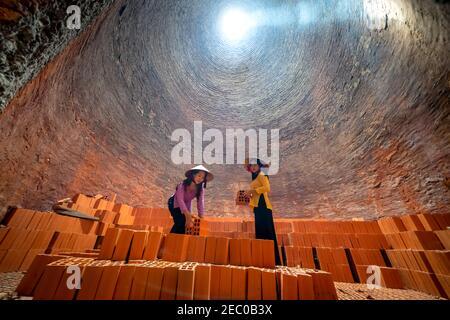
262 186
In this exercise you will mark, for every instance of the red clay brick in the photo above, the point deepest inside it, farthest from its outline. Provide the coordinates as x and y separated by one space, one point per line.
254 284
169 284
109 243
215 282
102 228
324 288
192 244
426 240
108 281
390 278
246 252
439 261
391 225
29 258
13 260
202 282
89 282
222 251
426 283
86 226
3 232
34 222
238 283
175 247
48 283
103 204
185 284
162 248
235 252
83 200
105 216
21 218
225 283
32 277
45 221
422 260
444 281
268 254
154 240
154 283
269 284
257 252
11 236
2 255
288 286
124 282
306 257
305 287
428 222
181 248
200 249
292 258
210 249
139 283
138 245
412 222
63 292
123 245
444 237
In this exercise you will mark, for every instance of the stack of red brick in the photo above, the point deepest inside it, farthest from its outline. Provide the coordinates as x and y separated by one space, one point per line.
119 214
420 251
153 217
31 232
411 251
161 280
128 245
124 245
334 260
235 228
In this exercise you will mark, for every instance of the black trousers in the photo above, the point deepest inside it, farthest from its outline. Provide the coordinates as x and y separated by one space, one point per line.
264 226
179 220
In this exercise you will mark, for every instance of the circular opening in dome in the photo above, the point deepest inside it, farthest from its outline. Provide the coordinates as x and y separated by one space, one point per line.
235 25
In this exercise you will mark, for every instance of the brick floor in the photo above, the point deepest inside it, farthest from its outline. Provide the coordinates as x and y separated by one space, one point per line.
8 284
357 291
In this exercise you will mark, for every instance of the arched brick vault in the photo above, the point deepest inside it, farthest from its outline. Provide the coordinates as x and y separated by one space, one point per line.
360 95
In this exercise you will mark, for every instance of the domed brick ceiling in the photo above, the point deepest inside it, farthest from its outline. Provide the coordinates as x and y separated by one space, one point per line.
358 90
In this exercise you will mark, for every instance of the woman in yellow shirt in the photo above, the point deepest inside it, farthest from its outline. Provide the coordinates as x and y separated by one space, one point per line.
259 201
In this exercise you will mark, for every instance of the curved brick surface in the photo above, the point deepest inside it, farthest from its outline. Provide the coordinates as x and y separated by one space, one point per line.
360 96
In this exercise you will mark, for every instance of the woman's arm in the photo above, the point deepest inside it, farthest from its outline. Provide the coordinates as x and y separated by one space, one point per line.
265 184
201 203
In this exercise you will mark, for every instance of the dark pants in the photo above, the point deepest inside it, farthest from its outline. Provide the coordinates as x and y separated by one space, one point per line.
264 226
179 220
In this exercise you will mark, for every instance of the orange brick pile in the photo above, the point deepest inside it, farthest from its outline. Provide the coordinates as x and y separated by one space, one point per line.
29 233
162 280
412 252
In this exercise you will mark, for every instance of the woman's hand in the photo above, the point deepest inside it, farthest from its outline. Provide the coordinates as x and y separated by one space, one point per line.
188 217
250 193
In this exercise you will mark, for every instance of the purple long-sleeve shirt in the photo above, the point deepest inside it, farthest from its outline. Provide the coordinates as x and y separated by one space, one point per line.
183 199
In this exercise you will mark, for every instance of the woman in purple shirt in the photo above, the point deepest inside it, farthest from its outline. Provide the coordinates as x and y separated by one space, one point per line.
180 202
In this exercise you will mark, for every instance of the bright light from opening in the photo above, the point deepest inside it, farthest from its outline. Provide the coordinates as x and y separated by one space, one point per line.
235 24
378 13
